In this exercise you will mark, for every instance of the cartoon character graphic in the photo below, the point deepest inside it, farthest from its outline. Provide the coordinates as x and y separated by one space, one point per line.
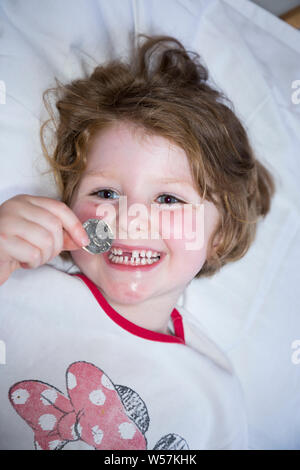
97 412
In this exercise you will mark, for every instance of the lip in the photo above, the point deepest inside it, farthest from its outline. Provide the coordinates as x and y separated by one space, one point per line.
128 267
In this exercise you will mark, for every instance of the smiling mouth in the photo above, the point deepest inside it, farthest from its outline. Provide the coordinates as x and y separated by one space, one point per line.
135 257
128 259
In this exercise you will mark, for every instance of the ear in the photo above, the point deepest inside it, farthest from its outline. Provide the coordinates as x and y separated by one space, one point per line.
216 242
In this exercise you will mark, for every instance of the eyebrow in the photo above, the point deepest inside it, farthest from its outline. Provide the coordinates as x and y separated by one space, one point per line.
107 174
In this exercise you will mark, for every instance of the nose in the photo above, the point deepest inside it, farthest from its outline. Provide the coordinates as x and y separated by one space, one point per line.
133 219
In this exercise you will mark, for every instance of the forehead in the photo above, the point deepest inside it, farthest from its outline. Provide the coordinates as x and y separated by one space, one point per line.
125 145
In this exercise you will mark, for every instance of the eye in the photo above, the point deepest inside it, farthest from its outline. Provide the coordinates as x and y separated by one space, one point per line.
105 193
169 199
111 194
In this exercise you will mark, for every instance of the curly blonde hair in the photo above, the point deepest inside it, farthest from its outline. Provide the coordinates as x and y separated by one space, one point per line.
163 88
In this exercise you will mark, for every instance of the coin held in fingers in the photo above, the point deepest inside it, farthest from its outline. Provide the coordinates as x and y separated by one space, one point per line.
100 234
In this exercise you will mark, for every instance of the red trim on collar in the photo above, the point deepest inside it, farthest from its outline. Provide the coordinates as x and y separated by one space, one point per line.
131 327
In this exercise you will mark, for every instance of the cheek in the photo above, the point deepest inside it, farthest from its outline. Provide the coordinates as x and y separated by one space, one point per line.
184 227
184 235
84 210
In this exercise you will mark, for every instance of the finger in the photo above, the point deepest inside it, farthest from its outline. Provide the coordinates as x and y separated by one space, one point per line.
7 269
68 243
33 234
20 250
41 216
69 220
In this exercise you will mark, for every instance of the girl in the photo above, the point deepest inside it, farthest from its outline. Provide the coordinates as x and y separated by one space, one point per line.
153 134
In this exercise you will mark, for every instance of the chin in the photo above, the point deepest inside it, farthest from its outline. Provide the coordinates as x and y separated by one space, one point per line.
127 297
126 293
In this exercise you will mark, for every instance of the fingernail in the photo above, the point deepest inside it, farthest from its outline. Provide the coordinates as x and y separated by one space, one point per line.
85 241
82 237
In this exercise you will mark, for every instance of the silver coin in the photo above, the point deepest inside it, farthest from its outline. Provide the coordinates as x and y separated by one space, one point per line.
100 234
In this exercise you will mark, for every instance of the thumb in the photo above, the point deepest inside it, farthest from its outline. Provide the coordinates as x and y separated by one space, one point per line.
69 244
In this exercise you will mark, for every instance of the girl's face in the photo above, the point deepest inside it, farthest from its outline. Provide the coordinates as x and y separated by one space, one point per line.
123 163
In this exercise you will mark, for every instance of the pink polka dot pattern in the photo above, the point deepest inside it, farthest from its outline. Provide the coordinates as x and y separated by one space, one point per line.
93 412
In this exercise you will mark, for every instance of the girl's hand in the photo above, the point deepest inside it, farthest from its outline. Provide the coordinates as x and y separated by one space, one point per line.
34 230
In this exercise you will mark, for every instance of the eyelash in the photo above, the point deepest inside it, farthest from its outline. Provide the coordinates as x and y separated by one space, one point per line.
178 201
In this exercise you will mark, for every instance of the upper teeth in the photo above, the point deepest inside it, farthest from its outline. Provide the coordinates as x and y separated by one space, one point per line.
136 253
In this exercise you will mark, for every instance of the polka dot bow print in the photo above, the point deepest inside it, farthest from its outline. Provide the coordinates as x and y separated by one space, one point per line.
94 412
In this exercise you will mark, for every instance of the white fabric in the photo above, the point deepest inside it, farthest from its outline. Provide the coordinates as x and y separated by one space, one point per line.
184 392
251 308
